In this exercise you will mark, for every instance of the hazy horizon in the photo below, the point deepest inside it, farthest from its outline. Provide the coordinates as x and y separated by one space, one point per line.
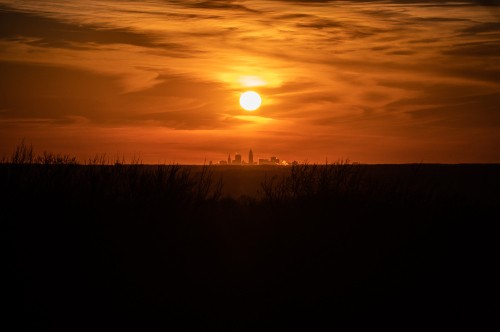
374 82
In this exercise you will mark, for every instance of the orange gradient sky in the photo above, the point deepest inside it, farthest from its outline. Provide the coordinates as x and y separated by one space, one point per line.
369 81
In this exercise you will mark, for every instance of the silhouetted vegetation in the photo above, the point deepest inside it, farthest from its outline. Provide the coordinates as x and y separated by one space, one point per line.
131 245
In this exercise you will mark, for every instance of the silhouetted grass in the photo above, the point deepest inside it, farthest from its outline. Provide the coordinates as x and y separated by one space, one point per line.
131 245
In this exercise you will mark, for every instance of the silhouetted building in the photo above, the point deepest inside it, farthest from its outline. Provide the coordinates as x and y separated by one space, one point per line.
272 161
237 159
264 162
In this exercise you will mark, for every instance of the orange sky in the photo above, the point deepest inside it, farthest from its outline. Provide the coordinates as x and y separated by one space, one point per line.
369 81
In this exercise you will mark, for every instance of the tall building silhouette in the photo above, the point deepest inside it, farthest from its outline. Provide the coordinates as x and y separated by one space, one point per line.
237 159
229 159
250 157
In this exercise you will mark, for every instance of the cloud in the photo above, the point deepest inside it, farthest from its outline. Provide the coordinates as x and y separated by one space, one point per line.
448 105
480 28
217 5
475 49
319 23
48 32
479 112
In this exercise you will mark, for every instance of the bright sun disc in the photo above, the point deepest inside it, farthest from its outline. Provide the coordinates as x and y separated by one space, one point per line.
250 100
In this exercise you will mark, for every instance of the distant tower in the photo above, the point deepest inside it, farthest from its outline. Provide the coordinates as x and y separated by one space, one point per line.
250 157
229 159
237 159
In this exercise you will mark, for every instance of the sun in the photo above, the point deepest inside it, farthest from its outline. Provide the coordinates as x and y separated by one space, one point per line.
250 100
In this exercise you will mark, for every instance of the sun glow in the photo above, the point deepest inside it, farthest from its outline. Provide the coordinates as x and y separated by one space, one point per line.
250 100
251 81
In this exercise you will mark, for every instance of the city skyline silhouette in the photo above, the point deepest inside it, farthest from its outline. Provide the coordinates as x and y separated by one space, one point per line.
239 160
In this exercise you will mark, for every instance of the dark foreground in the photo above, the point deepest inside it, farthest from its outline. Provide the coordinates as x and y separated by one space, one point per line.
147 247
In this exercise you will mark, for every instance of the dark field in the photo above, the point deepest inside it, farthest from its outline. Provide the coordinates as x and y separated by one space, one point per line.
107 247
